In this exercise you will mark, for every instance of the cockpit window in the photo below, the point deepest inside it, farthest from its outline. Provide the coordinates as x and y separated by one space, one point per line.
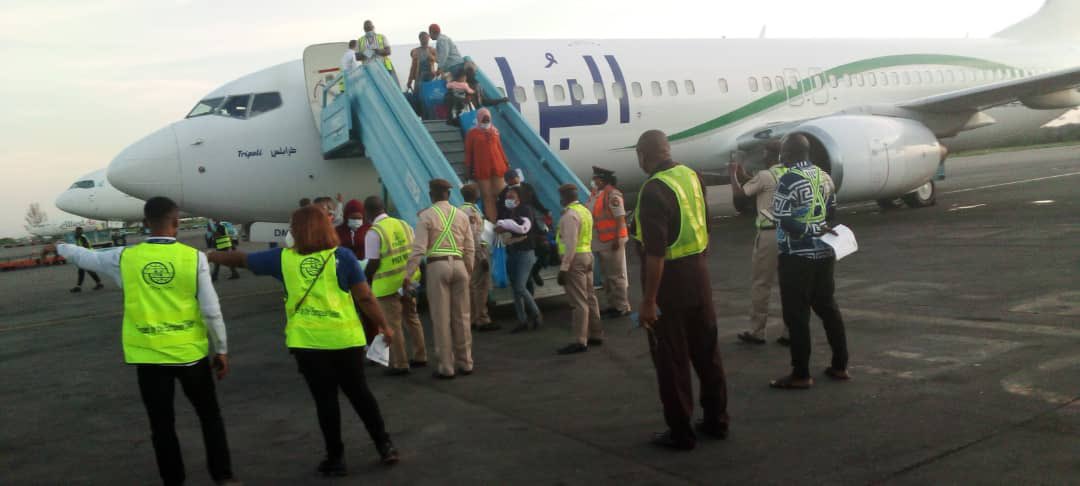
87 184
264 102
205 107
235 106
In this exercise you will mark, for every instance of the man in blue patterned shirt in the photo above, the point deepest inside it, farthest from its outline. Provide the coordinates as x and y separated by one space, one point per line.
803 205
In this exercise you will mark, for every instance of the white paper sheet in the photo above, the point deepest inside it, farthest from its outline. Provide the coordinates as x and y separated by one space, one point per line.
379 351
843 242
488 234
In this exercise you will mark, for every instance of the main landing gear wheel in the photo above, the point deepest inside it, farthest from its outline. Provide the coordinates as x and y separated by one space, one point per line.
924 196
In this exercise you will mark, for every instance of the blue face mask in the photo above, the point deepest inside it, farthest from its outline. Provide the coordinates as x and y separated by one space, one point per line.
511 203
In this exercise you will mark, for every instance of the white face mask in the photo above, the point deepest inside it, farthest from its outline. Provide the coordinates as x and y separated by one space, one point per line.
355 223
289 241
511 203
485 126
592 184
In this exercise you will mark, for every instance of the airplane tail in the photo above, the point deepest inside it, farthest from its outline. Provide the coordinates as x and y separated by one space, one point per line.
1055 21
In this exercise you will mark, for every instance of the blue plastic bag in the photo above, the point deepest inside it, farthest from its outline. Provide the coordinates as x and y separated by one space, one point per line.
498 266
468 121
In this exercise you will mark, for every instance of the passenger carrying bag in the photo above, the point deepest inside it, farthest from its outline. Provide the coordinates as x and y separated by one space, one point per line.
498 264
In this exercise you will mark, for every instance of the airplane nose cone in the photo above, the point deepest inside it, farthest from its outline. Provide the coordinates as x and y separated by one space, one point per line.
149 167
66 202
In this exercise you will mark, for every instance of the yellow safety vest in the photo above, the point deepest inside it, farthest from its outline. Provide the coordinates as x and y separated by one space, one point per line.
327 318
380 42
223 242
162 320
762 222
584 242
446 235
395 243
693 228
817 211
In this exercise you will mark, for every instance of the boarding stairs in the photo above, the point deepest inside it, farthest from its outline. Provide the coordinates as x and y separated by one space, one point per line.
451 143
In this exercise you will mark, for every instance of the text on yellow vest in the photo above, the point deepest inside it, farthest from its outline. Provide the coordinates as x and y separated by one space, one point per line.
395 243
327 318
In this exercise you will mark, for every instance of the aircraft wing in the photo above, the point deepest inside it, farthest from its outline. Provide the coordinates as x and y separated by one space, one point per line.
1000 93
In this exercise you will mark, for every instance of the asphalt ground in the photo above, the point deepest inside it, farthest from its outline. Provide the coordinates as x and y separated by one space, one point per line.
963 321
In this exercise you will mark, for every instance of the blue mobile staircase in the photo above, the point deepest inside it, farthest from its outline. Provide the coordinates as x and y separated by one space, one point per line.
371 117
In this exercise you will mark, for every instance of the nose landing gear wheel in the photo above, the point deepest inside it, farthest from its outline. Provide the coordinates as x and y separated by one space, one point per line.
924 196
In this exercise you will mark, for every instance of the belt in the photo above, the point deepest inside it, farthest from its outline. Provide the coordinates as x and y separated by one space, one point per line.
447 258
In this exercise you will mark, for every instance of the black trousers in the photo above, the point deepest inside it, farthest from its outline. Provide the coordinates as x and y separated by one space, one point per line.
217 267
157 388
681 338
82 276
327 370
807 284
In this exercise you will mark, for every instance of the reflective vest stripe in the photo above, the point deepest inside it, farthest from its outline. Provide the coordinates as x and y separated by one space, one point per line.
762 222
584 241
162 320
223 242
445 236
395 244
693 228
606 222
327 318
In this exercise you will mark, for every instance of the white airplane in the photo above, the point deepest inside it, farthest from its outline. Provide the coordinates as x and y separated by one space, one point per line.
878 112
53 230
91 196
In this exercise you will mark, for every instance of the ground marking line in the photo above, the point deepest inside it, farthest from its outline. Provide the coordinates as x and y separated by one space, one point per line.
1003 184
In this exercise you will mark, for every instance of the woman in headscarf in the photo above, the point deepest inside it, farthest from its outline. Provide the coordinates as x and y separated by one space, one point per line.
323 282
486 161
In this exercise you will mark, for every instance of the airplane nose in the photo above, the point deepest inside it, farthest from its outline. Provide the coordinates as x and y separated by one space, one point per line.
149 167
65 202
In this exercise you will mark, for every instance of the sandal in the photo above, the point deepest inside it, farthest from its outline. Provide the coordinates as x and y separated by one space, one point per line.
789 382
840 375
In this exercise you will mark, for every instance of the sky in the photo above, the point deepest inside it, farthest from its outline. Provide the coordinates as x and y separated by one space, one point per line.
83 79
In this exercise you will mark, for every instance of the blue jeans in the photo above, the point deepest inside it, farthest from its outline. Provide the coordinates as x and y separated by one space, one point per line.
518 267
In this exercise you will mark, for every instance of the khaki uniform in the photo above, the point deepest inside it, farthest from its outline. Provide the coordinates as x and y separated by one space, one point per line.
612 262
586 322
447 285
480 278
764 260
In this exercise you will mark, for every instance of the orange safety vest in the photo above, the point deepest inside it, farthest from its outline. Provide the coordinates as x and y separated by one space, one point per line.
605 220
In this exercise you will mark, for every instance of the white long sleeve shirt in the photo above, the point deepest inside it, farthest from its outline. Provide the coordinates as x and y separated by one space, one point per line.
107 263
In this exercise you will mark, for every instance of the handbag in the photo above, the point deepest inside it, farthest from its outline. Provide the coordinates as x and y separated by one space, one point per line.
498 265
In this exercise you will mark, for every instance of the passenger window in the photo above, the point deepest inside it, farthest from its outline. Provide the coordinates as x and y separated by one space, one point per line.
939 77
690 90
779 83
558 93
860 80
833 81
927 77
540 93
205 107
753 84
950 75
894 78
883 79
766 83
235 106
656 90
618 90
265 102
598 91
872 79
638 92
577 92
673 88
519 95
907 77
723 85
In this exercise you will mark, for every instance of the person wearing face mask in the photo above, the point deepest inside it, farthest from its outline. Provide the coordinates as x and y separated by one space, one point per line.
352 229
485 161
374 47
518 230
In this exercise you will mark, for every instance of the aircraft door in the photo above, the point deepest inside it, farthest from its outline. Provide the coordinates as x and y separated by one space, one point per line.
792 81
819 86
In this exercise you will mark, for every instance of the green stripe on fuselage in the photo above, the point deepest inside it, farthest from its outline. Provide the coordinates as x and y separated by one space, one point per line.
805 85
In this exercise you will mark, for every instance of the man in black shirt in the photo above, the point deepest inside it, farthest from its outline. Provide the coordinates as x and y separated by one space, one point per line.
83 241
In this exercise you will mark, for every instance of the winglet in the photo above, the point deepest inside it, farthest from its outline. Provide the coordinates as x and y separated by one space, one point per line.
1056 20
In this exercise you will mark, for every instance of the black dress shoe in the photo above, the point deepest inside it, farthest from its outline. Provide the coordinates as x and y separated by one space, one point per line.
388 453
748 338
332 467
537 322
417 364
595 342
573 348
716 431
665 440
783 341
440 376
99 286
396 371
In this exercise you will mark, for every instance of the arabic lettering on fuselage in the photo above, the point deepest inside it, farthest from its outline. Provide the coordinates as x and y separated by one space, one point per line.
576 114
285 151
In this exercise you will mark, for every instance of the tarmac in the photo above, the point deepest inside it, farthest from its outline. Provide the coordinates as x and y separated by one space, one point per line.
963 321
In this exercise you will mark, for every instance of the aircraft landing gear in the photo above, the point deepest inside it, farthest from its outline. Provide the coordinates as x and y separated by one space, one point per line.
924 196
